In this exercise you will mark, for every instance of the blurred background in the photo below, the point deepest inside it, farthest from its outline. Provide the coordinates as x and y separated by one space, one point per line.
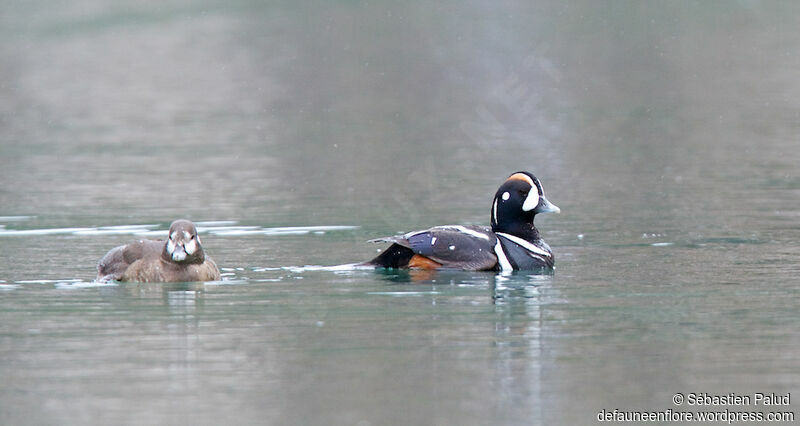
667 132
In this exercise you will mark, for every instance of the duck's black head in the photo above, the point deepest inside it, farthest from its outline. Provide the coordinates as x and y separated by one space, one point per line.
517 202
183 244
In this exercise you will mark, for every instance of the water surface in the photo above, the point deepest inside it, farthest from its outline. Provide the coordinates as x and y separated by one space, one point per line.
667 134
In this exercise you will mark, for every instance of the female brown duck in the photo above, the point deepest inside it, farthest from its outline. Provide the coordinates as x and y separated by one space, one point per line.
180 258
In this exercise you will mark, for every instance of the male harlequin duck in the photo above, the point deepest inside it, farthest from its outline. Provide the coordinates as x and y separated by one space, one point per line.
181 258
512 242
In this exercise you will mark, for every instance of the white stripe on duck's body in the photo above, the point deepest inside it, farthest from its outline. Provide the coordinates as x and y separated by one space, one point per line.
511 243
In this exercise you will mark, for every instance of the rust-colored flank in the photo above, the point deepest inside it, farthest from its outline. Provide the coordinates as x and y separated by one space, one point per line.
422 262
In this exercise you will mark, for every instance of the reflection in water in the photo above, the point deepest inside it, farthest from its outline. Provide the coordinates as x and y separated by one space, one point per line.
184 339
518 300
516 372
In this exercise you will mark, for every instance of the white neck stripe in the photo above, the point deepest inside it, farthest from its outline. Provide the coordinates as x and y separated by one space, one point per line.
527 245
505 265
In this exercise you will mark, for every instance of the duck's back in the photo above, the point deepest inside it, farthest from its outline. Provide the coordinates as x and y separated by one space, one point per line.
114 264
451 247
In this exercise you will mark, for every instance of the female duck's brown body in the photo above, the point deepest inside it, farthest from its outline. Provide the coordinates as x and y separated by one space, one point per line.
179 259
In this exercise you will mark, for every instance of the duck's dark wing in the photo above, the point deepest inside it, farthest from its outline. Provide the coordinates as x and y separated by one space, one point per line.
116 262
458 247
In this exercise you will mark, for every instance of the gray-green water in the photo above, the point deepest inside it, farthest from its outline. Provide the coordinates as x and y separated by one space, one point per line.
669 134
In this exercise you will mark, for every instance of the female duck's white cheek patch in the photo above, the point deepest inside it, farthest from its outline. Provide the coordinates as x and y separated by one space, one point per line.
506 195
179 255
190 247
170 246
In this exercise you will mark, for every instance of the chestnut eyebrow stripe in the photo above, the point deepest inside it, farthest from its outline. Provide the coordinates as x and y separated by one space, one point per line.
521 176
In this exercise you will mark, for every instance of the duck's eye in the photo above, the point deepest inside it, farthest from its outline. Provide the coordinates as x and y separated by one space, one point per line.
523 193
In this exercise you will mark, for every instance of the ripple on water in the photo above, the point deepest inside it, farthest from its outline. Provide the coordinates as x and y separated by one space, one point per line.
283 230
220 227
403 293
348 267
15 218
47 281
71 283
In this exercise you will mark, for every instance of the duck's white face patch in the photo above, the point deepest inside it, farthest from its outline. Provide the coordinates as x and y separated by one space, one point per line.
506 195
180 251
170 246
178 255
532 200
191 246
176 251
